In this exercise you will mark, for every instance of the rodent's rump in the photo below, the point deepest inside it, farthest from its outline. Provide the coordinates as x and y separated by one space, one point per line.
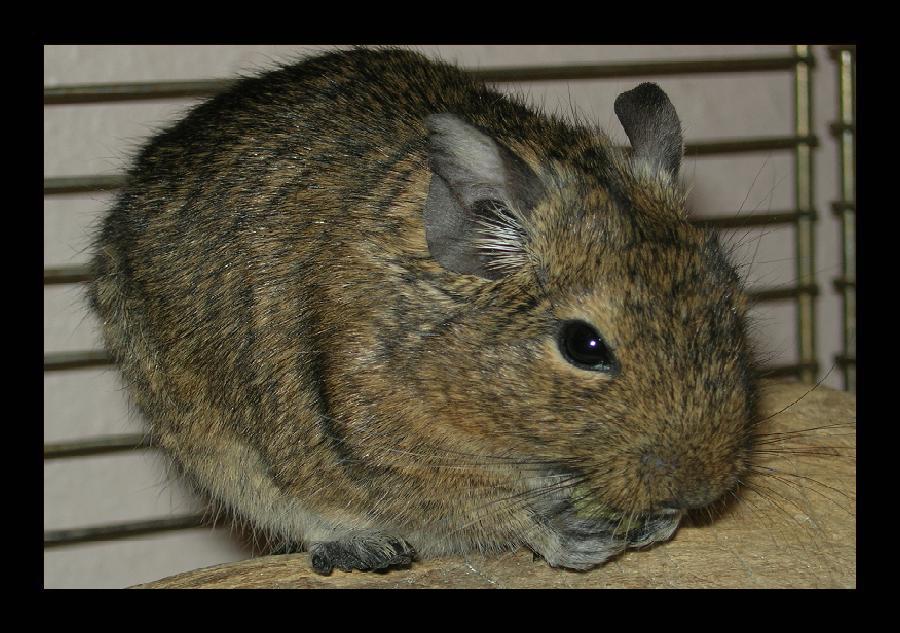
378 310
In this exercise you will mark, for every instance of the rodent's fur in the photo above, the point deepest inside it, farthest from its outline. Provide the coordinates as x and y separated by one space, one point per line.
335 292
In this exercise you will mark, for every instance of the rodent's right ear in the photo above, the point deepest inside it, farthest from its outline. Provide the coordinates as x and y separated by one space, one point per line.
480 195
652 126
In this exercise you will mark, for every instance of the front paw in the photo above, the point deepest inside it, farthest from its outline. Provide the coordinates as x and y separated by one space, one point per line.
364 551
577 549
580 544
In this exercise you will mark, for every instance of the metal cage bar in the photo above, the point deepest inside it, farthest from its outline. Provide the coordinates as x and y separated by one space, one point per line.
61 361
144 91
802 217
73 536
96 446
804 200
845 208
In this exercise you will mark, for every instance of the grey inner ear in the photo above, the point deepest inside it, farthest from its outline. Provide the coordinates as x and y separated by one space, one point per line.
447 233
652 126
479 194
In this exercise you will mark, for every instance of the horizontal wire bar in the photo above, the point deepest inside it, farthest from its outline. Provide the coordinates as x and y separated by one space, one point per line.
56 538
839 127
843 360
838 208
133 91
142 91
82 184
742 145
750 219
841 283
766 295
96 446
71 274
618 70
59 361
85 184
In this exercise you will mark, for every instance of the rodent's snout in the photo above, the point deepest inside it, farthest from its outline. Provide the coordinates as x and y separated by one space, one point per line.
677 482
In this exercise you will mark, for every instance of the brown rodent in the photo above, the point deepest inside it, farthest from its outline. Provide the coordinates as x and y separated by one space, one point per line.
379 310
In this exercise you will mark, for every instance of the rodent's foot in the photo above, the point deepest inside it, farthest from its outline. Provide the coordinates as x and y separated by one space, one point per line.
580 551
363 551
582 544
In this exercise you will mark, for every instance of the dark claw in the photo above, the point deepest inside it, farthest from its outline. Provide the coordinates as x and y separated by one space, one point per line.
403 555
363 552
321 564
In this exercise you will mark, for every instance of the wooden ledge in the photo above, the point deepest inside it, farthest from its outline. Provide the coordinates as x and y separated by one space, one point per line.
798 530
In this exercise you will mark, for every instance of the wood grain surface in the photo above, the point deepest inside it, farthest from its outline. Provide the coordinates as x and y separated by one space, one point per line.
792 527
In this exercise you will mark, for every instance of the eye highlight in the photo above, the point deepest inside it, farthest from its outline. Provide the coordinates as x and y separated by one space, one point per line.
581 344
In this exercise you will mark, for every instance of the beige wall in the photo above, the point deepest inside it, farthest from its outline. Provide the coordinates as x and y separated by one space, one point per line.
97 139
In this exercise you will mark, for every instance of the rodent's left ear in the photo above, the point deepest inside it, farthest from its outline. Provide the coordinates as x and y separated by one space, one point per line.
652 126
480 196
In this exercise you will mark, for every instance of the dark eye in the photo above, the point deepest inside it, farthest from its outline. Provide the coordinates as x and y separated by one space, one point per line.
583 346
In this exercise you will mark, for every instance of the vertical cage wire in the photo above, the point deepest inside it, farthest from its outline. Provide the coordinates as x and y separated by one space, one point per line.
804 192
845 208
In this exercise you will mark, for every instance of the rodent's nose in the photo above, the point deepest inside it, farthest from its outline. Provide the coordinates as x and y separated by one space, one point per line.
680 484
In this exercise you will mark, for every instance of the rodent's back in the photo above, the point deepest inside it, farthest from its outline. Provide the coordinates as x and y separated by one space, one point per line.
226 202
209 244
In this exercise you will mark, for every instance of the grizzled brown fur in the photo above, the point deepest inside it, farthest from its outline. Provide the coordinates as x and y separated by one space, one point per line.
339 372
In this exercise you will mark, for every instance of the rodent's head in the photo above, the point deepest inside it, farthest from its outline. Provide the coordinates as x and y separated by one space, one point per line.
606 340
